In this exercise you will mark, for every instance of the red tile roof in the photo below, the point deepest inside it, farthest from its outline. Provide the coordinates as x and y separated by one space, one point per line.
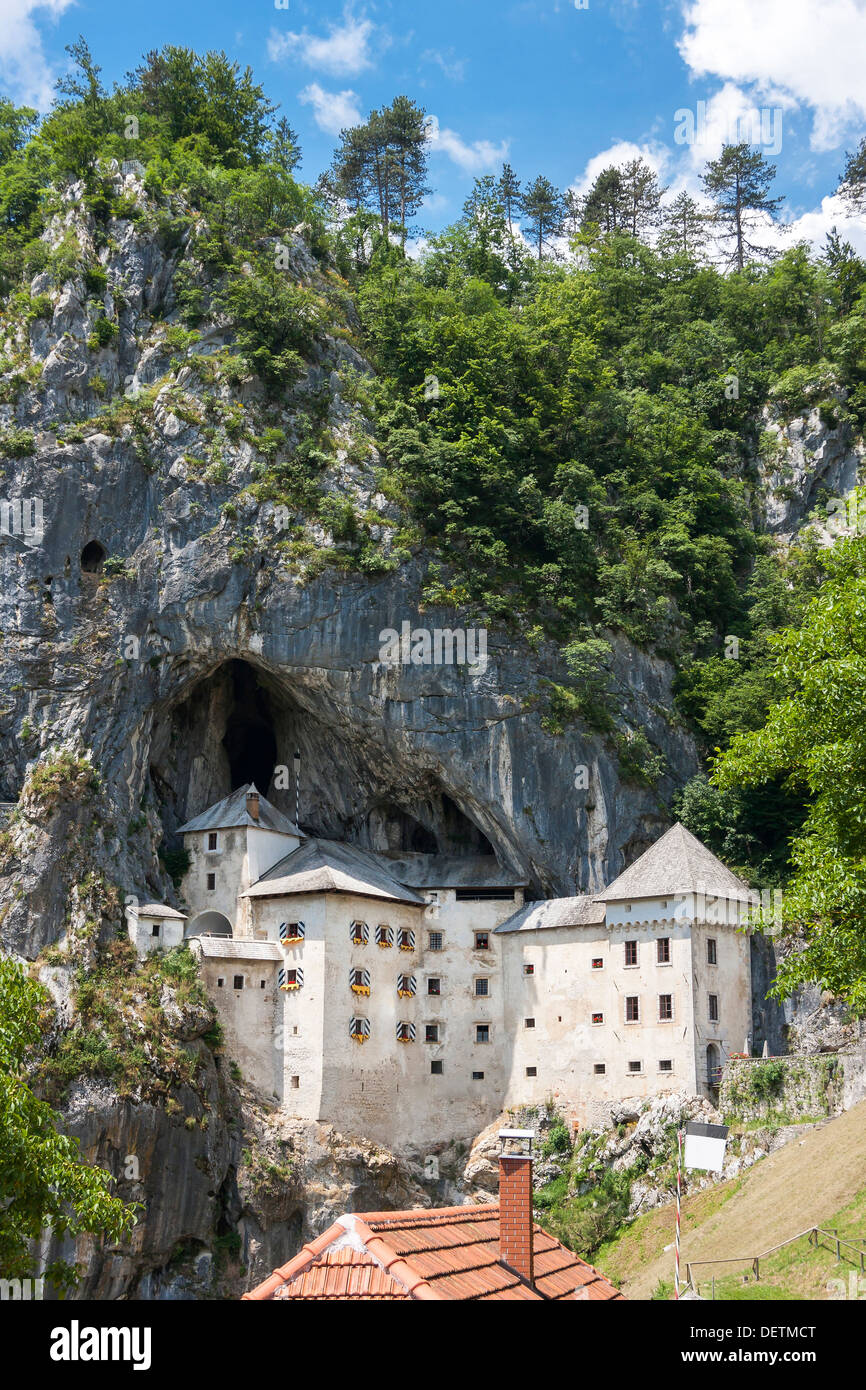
451 1253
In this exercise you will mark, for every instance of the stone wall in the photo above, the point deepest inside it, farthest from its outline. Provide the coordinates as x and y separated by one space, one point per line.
796 1088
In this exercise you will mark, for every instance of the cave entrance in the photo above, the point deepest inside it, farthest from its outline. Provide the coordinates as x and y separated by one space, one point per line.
208 924
249 740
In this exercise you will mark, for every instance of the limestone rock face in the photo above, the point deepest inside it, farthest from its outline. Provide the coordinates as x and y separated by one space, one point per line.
805 456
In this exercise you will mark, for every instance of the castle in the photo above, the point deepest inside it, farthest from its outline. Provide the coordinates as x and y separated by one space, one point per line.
412 997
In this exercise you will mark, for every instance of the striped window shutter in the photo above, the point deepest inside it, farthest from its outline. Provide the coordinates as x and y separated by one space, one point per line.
295 982
292 931
405 1032
359 1029
359 980
406 985
407 941
384 936
359 931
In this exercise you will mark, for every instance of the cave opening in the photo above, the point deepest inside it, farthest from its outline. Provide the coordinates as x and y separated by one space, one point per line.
249 740
93 557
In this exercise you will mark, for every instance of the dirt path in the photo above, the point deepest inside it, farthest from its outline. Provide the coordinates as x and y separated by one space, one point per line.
799 1186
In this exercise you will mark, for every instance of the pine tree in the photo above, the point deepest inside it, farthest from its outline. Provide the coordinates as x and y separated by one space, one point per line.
572 213
640 198
544 207
852 185
685 228
508 189
285 149
383 164
739 184
604 203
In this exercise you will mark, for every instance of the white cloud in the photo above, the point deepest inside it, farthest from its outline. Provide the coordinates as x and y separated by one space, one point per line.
809 50
471 158
453 68
656 156
24 68
344 52
332 111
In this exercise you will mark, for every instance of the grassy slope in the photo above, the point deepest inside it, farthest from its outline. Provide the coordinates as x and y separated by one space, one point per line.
817 1180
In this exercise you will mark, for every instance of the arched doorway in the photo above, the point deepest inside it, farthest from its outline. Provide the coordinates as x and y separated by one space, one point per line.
208 924
714 1070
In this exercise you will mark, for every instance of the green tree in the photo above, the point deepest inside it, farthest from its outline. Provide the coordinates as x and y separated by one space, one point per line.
852 185
43 1181
508 188
685 229
739 184
544 209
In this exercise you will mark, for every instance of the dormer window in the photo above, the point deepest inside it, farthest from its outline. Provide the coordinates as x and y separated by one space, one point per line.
384 936
292 933
359 933
359 980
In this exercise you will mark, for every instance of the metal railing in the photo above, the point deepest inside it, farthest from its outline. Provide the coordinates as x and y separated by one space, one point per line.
814 1234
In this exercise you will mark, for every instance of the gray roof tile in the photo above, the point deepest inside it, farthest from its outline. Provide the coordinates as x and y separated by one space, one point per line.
677 863
232 811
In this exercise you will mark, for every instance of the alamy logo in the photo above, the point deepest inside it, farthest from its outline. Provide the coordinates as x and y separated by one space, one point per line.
76 1343
438 646
21 1289
758 126
22 517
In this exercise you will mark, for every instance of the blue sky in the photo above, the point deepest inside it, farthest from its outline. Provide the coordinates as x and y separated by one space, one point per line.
553 86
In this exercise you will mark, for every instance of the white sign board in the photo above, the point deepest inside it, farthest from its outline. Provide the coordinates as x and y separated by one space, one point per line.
705 1147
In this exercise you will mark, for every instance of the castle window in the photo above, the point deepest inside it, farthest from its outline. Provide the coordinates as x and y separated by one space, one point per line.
262 984
714 1008
529 969
482 1032
478 1076
359 933
359 980
434 941
663 950
384 936
436 1068
598 962
407 939
292 933
666 1008
434 984
211 882
482 941
598 1018
359 1029
295 1083
289 979
635 1068
599 1069
529 1023
406 986
632 1008
431 1032
213 841
219 984
712 957
238 982
666 1065
532 1071
154 931
406 1032
631 953
482 987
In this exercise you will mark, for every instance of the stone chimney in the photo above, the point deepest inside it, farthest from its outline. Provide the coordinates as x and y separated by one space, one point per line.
515 1201
253 803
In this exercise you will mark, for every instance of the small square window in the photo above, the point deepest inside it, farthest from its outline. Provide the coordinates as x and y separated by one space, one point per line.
482 941
434 941
434 985
598 1018
431 1032
635 1068
211 882
482 987
154 931
295 1083
663 950
631 953
529 969
599 1069
436 1068
238 982
532 1071
598 962
529 1023
478 1076
666 1008
482 1032
714 1008
712 957
666 1064
632 1008
212 840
